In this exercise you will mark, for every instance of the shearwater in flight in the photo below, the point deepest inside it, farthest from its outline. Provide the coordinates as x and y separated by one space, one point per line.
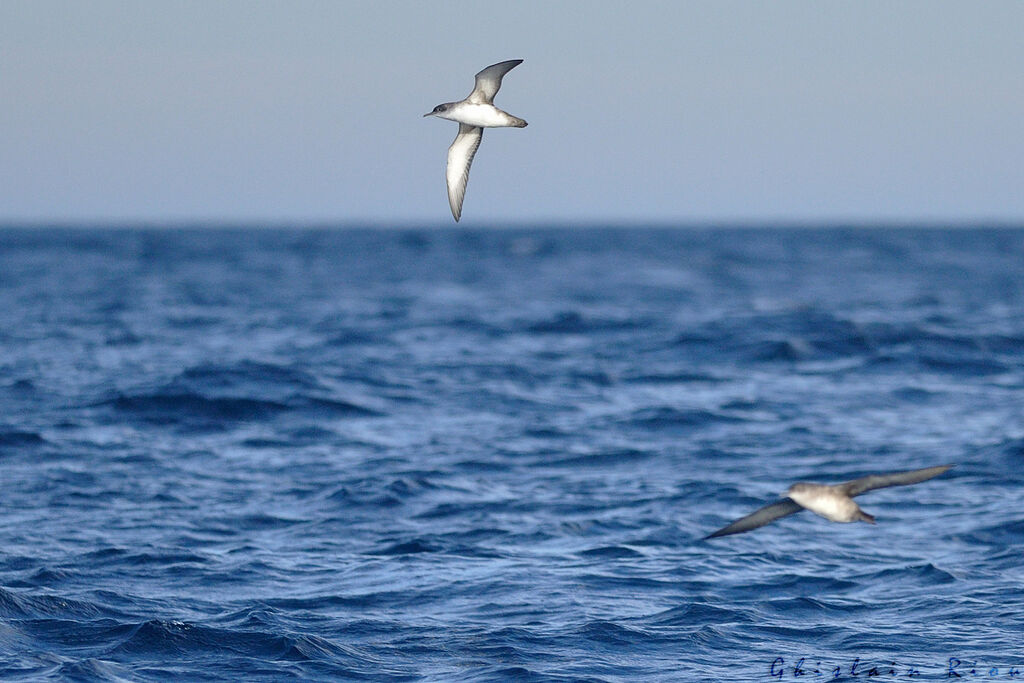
833 502
473 114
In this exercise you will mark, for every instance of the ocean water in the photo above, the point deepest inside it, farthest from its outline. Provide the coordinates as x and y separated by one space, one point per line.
458 455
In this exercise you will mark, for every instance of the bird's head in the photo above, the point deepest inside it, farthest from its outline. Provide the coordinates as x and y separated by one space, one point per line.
800 490
440 109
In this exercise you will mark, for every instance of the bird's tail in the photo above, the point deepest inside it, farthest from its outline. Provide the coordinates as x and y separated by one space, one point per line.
517 122
865 517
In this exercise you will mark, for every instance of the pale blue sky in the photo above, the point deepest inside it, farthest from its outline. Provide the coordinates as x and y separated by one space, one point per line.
639 111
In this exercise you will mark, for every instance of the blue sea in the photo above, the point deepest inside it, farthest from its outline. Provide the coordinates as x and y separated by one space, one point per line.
491 455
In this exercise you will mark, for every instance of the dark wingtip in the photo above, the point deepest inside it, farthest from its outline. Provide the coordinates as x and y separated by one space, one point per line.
942 469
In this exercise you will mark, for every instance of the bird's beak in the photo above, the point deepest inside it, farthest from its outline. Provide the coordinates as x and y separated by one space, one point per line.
429 113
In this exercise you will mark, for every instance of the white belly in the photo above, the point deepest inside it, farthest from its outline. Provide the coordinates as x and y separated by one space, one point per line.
483 115
829 504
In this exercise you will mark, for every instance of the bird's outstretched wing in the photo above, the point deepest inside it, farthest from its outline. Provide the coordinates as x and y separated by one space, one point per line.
881 481
460 157
489 80
769 513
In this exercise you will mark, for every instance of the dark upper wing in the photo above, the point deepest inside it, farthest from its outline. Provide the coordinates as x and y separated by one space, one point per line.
489 80
769 513
881 481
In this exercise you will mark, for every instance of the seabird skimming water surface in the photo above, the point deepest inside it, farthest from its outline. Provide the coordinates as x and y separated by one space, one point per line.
473 114
833 502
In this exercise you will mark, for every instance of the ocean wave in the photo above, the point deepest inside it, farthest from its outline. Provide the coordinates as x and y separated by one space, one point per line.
669 418
18 439
194 409
574 322
611 552
172 408
31 605
613 457
1000 535
247 375
699 613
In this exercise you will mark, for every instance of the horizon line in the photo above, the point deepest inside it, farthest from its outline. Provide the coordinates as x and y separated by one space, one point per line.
553 224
